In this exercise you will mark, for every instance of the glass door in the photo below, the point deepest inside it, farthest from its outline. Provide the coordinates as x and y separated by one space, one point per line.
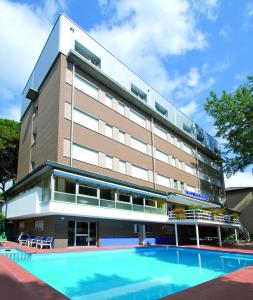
82 233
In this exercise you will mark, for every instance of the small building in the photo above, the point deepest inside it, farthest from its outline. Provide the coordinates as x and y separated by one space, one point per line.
240 199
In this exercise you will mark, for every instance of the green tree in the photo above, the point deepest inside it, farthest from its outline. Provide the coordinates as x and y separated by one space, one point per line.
9 141
233 115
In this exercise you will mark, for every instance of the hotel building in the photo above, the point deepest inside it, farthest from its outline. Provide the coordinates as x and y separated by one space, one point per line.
104 159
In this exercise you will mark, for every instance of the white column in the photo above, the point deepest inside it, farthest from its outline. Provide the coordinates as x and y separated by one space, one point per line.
197 234
219 236
176 234
236 235
52 186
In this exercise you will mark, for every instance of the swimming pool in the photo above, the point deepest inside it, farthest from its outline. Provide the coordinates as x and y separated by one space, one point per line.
13 250
141 273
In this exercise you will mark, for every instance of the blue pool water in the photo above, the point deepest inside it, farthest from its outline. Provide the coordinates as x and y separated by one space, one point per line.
130 273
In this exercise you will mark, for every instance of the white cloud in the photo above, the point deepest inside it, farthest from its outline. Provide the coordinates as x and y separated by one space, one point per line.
24 30
240 180
207 7
190 108
225 31
247 18
145 33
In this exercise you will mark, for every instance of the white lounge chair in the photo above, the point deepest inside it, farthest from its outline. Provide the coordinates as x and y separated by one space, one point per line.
23 239
45 241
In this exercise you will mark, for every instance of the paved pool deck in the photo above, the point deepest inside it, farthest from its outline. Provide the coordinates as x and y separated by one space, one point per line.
16 283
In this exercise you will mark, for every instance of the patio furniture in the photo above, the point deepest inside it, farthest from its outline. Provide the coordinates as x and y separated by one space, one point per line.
23 239
32 241
3 238
46 241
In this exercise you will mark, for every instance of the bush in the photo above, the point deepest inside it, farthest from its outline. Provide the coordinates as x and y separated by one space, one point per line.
180 213
215 212
235 215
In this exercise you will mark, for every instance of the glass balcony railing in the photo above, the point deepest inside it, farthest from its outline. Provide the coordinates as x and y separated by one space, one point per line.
93 201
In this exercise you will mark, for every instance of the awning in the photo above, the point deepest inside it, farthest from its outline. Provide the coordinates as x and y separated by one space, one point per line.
186 200
108 184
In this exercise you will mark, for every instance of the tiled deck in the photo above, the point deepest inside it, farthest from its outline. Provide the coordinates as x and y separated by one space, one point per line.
17 283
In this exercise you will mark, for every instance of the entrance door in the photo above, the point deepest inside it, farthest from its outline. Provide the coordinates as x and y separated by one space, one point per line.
82 233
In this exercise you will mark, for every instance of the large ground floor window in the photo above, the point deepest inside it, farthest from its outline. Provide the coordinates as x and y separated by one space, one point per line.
82 233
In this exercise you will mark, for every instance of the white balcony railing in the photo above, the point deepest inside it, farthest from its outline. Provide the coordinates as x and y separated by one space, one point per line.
204 215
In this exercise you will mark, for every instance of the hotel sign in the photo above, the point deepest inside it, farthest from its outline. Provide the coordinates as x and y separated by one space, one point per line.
203 197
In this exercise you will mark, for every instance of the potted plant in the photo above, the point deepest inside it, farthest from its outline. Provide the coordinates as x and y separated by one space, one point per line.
215 213
234 216
195 208
180 213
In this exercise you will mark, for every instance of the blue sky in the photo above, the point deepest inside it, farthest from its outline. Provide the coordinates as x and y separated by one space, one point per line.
183 48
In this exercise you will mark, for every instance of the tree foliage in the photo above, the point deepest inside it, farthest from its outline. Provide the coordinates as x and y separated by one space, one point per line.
233 114
9 141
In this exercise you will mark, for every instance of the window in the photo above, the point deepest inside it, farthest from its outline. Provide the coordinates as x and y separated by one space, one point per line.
182 186
161 109
85 86
138 200
86 53
85 120
190 188
189 169
88 191
70 187
187 149
173 161
162 156
138 145
139 173
137 118
121 108
108 131
179 164
122 137
108 100
34 138
175 184
84 154
162 180
35 110
138 92
160 132
33 165
106 194
122 167
108 162
21 225
187 128
124 197
150 202
147 228
39 225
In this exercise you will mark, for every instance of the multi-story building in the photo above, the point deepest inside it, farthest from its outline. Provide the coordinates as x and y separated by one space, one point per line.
104 158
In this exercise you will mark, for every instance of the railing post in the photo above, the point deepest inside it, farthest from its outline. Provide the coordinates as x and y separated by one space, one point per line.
219 236
197 234
52 186
236 235
176 234
77 191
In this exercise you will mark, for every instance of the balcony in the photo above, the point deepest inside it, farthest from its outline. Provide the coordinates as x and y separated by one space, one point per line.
79 199
202 216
